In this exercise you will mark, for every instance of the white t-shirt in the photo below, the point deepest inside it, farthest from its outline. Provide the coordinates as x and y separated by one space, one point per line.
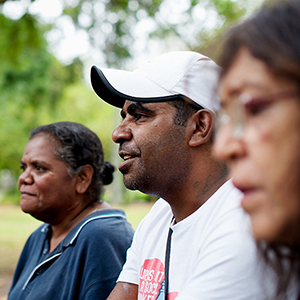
213 254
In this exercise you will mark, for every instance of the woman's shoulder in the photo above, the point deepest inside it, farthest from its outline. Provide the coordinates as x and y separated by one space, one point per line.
42 230
108 223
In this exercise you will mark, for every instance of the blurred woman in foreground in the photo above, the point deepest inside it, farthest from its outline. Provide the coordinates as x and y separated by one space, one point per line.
80 249
259 130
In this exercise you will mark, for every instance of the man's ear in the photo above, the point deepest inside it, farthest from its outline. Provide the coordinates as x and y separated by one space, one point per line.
84 178
202 123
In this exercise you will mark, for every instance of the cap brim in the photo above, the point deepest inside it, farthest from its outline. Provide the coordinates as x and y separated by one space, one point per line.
116 86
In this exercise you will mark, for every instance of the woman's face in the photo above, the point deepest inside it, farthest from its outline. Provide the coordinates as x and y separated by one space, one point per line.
47 190
261 144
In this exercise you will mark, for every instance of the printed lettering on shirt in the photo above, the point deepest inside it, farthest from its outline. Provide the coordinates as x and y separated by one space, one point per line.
152 281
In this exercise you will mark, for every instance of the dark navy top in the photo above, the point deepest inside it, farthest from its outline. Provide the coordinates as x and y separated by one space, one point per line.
85 265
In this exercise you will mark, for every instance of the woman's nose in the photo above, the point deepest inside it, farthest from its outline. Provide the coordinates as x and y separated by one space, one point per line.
121 133
25 178
226 146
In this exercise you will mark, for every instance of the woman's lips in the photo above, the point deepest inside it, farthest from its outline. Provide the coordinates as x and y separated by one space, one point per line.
248 191
248 194
26 194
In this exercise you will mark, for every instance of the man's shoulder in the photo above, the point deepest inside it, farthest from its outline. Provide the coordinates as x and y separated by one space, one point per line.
227 195
160 204
223 207
159 215
223 212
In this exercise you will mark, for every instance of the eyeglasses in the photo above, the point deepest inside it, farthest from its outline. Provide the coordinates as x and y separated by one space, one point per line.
242 107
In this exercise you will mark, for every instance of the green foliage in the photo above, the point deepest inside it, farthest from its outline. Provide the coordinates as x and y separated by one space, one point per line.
80 104
19 38
230 10
37 89
31 81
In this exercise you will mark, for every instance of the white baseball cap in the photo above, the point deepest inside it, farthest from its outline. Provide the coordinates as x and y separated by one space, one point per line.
165 78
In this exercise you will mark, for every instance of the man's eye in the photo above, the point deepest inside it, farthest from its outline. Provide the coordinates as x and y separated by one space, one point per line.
138 116
23 167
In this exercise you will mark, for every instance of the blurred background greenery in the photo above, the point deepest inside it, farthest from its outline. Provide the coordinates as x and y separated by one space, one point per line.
43 79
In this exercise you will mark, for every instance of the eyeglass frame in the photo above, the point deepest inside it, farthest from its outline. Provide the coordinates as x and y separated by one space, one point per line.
238 123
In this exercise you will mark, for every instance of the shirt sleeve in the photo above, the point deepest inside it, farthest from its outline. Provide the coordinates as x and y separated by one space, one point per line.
102 257
99 290
131 268
130 272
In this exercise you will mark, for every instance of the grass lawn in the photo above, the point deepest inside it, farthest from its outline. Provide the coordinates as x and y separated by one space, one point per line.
16 226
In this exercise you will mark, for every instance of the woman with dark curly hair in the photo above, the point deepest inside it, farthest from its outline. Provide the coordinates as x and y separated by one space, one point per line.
259 131
80 249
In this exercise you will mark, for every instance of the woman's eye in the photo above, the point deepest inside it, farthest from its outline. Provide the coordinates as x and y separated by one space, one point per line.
39 168
255 107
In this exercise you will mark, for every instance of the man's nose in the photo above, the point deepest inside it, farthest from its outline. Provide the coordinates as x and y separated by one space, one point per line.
121 133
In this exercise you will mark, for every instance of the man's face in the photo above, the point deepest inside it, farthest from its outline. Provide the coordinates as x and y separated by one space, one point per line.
154 149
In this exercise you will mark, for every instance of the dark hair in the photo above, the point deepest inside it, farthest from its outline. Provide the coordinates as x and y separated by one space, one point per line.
273 36
284 260
184 108
77 145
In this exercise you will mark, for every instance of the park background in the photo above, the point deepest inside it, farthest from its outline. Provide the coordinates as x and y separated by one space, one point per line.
46 50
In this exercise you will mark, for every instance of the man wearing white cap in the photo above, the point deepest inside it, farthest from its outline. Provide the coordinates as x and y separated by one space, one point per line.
195 243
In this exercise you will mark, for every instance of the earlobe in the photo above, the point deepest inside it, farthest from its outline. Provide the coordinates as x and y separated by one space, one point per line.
203 123
84 179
